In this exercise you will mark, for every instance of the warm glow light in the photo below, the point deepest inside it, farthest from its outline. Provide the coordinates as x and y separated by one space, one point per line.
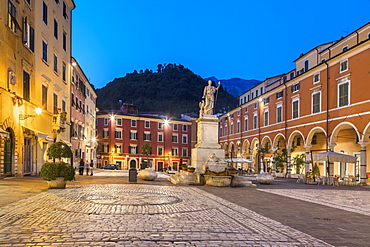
112 118
38 110
93 139
166 122
169 153
260 99
74 63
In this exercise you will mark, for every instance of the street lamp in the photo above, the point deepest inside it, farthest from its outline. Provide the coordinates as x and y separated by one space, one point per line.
38 111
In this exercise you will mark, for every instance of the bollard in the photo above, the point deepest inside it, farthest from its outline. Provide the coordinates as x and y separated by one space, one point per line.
132 175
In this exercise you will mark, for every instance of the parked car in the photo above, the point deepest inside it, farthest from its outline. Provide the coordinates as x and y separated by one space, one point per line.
110 167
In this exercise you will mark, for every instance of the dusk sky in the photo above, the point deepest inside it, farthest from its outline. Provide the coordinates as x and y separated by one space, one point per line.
226 39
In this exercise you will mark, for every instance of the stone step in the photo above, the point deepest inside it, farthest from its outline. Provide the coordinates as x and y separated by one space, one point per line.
172 180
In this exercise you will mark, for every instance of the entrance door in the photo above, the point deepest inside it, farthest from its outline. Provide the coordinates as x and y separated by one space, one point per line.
27 156
8 157
160 166
132 164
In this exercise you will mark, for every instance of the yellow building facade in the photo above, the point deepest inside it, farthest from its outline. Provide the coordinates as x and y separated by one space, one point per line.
35 57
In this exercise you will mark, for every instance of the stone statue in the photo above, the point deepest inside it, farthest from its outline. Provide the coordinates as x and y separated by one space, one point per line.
214 164
206 106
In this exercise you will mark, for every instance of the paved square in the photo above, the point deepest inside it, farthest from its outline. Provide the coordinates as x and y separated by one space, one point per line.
140 215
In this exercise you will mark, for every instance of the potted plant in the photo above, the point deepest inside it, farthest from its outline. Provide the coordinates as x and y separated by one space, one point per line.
191 169
57 173
231 170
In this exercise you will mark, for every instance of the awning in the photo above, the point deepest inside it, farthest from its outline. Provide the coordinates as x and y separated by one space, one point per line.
334 157
66 142
4 134
46 137
239 160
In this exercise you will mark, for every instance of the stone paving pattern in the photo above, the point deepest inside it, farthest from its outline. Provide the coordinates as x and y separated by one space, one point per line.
140 215
105 210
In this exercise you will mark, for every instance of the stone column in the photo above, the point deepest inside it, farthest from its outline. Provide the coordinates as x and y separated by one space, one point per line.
308 166
288 168
330 165
273 170
363 163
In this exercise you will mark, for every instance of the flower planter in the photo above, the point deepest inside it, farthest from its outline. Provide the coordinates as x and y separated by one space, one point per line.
231 171
58 183
191 169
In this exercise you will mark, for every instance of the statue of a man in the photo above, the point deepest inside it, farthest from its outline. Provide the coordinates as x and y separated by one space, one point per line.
209 97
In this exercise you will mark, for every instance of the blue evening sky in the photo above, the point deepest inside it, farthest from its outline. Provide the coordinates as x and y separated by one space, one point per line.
230 38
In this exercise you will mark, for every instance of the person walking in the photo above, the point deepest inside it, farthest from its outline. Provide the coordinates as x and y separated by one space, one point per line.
87 168
81 167
91 167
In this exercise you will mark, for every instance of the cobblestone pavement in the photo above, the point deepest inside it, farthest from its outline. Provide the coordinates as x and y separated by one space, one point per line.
349 200
139 215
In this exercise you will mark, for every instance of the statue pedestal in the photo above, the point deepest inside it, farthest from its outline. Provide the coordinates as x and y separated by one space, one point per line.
207 142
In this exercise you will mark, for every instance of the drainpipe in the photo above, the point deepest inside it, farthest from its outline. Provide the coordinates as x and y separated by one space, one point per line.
327 104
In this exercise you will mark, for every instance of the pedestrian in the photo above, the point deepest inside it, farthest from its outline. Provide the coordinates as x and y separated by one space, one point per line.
81 167
87 168
91 167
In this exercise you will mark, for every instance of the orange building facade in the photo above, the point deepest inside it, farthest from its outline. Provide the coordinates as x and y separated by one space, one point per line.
320 105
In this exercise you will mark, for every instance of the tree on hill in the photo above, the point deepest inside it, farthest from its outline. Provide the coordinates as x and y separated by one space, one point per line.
172 89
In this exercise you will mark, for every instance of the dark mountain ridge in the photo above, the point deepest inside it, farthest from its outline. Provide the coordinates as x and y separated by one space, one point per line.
172 89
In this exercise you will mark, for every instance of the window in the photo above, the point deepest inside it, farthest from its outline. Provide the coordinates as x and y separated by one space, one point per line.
238 126
284 79
245 124
45 13
279 95
344 66
12 17
266 117
345 48
295 107
255 105
133 122
231 128
55 103
295 87
261 89
55 63
65 10
26 86
118 134
147 136
175 152
316 78
306 65
184 152
64 41
64 106
174 138
44 100
255 121
160 125
279 113
256 93
160 137
118 148
105 119
226 131
147 124
314 140
184 139
316 105
28 35
343 94
105 148
184 128
292 75
252 95
266 100
132 149
45 51
133 135
119 121
64 70
105 133
246 109
175 127
248 96
55 29
160 151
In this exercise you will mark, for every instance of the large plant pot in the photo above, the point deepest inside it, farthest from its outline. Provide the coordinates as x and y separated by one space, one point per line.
58 183
148 174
